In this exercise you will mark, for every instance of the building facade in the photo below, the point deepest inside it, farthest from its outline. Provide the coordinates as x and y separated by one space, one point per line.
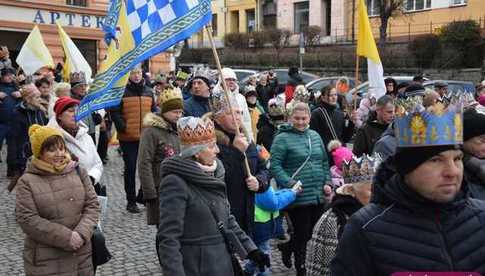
81 19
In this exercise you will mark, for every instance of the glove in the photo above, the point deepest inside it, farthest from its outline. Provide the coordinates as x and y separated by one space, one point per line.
260 259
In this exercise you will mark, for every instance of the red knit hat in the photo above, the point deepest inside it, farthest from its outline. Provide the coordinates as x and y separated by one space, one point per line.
64 103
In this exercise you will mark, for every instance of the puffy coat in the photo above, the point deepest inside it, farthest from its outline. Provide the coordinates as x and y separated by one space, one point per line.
344 128
367 136
402 231
265 93
7 104
48 208
240 197
190 241
387 144
158 141
83 148
266 131
22 118
289 151
128 117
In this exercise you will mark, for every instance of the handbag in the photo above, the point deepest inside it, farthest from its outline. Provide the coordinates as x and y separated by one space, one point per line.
232 242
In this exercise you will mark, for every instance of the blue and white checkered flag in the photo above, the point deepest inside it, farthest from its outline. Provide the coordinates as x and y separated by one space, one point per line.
137 31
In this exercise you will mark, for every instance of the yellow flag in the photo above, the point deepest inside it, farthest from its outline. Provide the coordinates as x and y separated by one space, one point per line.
366 45
74 61
34 54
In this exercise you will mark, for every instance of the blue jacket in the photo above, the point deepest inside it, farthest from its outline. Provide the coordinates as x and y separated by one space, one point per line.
196 106
7 105
272 201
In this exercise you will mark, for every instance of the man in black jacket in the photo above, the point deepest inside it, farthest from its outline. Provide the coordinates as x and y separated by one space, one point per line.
421 217
368 135
474 148
234 148
331 122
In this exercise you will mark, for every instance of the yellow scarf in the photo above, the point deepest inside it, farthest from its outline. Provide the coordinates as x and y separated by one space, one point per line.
44 166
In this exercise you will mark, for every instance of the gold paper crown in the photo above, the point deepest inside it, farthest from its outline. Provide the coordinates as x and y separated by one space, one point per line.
360 169
196 131
170 93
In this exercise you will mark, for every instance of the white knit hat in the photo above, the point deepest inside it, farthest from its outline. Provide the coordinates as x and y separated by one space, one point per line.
228 73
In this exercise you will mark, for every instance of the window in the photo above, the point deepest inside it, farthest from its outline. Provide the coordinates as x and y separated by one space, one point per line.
214 24
416 5
301 16
251 22
458 2
81 3
372 7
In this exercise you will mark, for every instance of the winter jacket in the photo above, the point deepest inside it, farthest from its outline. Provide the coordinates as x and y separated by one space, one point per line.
196 106
402 231
475 176
254 113
128 117
190 241
83 148
344 128
22 118
321 247
49 207
367 136
289 151
387 144
240 197
8 104
265 93
158 141
266 131
290 86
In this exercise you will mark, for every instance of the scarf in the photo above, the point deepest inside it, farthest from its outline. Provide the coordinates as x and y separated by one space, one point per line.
71 131
66 165
208 169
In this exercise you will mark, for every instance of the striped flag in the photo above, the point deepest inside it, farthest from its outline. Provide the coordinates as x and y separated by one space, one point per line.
74 60
34 54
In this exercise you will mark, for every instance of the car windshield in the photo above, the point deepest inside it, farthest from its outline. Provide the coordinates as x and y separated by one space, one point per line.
242 75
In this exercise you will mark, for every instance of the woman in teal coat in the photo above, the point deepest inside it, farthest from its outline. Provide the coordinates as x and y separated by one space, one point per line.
297 154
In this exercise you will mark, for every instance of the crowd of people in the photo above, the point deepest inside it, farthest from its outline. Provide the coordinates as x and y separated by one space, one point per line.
369 187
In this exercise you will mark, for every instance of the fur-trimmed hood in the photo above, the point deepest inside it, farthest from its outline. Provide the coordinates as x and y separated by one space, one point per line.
154 120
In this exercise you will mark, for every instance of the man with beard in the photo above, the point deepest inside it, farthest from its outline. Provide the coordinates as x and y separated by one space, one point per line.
128 117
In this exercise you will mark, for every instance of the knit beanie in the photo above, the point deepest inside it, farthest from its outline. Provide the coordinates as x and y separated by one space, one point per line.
195 134
64 103
38 134
473 123
408 159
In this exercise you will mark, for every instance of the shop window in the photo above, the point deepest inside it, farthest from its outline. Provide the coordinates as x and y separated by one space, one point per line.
417 5
301 16
373 7
458 2
81 3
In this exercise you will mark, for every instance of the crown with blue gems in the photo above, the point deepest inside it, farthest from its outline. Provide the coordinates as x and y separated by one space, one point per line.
437 125
360 169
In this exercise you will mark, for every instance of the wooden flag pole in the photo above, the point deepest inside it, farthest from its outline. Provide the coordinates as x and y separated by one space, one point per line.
357 59
208 28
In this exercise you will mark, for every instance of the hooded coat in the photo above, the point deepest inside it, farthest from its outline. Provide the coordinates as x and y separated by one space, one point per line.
402 231
83 148
475 176
289 151
159 140
49 207
190 241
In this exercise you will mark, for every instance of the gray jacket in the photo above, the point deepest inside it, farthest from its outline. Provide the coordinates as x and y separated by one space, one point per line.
190 242
386 145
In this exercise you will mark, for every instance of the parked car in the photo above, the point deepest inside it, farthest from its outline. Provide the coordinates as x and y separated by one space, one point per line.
454 86
282 75
244 74
318 84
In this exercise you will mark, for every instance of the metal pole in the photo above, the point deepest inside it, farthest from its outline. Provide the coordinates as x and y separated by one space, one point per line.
353 21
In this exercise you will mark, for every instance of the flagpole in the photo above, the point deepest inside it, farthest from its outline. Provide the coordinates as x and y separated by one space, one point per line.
357 59
208 28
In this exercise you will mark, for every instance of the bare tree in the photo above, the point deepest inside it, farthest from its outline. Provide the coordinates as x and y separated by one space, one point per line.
387 9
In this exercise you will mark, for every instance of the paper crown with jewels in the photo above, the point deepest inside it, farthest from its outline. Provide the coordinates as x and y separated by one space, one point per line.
77 78
218 102
276 107
196 131
301 94
170 93
437 125
360 169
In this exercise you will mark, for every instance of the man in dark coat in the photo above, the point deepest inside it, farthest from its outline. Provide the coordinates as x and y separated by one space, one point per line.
331 122
233 150
266 90
294 79
421 217
368 135
200 87
9 98
474 148
268 123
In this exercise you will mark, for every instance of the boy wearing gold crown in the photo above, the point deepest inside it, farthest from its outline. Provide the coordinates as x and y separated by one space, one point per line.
419 218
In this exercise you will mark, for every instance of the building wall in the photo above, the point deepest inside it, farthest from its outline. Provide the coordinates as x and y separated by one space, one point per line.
78 22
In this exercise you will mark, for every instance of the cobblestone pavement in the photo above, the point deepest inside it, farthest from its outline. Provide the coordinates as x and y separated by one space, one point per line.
130 240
